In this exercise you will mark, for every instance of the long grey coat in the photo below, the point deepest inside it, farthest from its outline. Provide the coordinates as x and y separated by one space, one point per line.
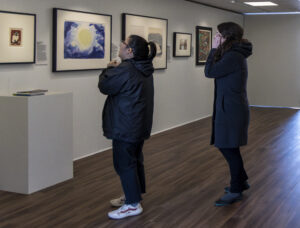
231 109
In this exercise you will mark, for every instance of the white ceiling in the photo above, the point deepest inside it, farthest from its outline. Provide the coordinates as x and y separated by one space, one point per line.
240 7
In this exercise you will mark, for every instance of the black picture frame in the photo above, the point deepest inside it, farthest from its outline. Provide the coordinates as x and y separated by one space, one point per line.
203 46
77 64
177 52
10 51
139 20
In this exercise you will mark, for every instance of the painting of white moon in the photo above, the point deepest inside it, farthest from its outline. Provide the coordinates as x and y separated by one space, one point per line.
83 40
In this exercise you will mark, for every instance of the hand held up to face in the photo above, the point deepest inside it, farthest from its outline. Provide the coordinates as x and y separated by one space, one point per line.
217 40
113 63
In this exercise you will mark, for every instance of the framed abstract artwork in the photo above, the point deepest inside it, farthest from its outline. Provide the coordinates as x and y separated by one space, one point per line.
203 44
152 29
81 40
182 44
18 37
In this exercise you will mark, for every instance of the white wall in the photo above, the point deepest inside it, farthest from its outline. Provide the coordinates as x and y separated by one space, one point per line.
182 93
274 68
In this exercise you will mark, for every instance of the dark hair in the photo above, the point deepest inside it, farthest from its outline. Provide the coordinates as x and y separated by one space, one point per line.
233 33
140 47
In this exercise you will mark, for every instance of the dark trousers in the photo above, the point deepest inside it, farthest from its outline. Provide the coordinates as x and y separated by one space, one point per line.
236 166
128 162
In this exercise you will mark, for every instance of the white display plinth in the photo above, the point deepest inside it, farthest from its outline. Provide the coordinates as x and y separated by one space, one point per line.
36 141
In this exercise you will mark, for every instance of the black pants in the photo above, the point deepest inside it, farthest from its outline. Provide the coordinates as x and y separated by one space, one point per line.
236 165
128 162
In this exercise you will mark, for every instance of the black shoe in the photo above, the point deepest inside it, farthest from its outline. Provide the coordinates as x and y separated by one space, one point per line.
229 198
244 187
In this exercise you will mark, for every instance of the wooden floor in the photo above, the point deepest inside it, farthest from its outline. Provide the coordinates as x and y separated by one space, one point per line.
184 176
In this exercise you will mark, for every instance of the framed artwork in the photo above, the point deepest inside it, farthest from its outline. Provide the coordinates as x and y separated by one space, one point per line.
81 40
203 44
18 36
152 29
182 44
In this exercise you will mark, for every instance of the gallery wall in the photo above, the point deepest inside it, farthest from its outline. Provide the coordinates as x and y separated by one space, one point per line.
182 93
274 78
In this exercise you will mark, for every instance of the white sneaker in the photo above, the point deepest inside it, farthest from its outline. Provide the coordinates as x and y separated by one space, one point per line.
119 202
125 211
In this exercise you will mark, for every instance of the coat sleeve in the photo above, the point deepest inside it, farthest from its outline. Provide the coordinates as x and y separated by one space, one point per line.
226 65
112 79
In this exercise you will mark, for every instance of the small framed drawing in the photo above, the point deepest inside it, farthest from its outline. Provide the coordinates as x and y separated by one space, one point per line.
18 34
81 40
182 44
152 29
203 44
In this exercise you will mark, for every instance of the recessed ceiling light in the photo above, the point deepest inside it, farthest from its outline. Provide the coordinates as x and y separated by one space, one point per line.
261 3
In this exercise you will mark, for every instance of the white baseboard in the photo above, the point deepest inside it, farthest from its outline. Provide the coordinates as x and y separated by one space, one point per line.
180 125
91 154
268 106
153 133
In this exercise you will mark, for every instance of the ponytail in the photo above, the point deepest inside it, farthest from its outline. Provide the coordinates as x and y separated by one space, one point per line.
152 51
142 49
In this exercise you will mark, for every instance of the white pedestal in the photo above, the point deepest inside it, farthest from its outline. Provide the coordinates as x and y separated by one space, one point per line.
36 141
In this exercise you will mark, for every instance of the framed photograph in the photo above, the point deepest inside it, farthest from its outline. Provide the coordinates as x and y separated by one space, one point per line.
18 34
203 44
81 40
152 29
182 44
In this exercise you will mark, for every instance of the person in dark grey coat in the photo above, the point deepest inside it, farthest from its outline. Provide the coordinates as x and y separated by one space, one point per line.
127 118
227 64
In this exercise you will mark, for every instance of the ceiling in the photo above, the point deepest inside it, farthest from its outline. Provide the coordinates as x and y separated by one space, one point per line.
240 7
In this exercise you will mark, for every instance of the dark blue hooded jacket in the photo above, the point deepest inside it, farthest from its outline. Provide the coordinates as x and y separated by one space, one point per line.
128 110
231 109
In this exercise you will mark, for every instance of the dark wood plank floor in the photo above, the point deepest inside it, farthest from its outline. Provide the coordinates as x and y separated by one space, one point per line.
184 176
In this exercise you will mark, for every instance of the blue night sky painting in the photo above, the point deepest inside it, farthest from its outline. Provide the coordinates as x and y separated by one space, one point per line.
83 40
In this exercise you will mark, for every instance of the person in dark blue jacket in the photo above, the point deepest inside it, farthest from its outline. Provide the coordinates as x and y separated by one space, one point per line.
227 64
127 118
